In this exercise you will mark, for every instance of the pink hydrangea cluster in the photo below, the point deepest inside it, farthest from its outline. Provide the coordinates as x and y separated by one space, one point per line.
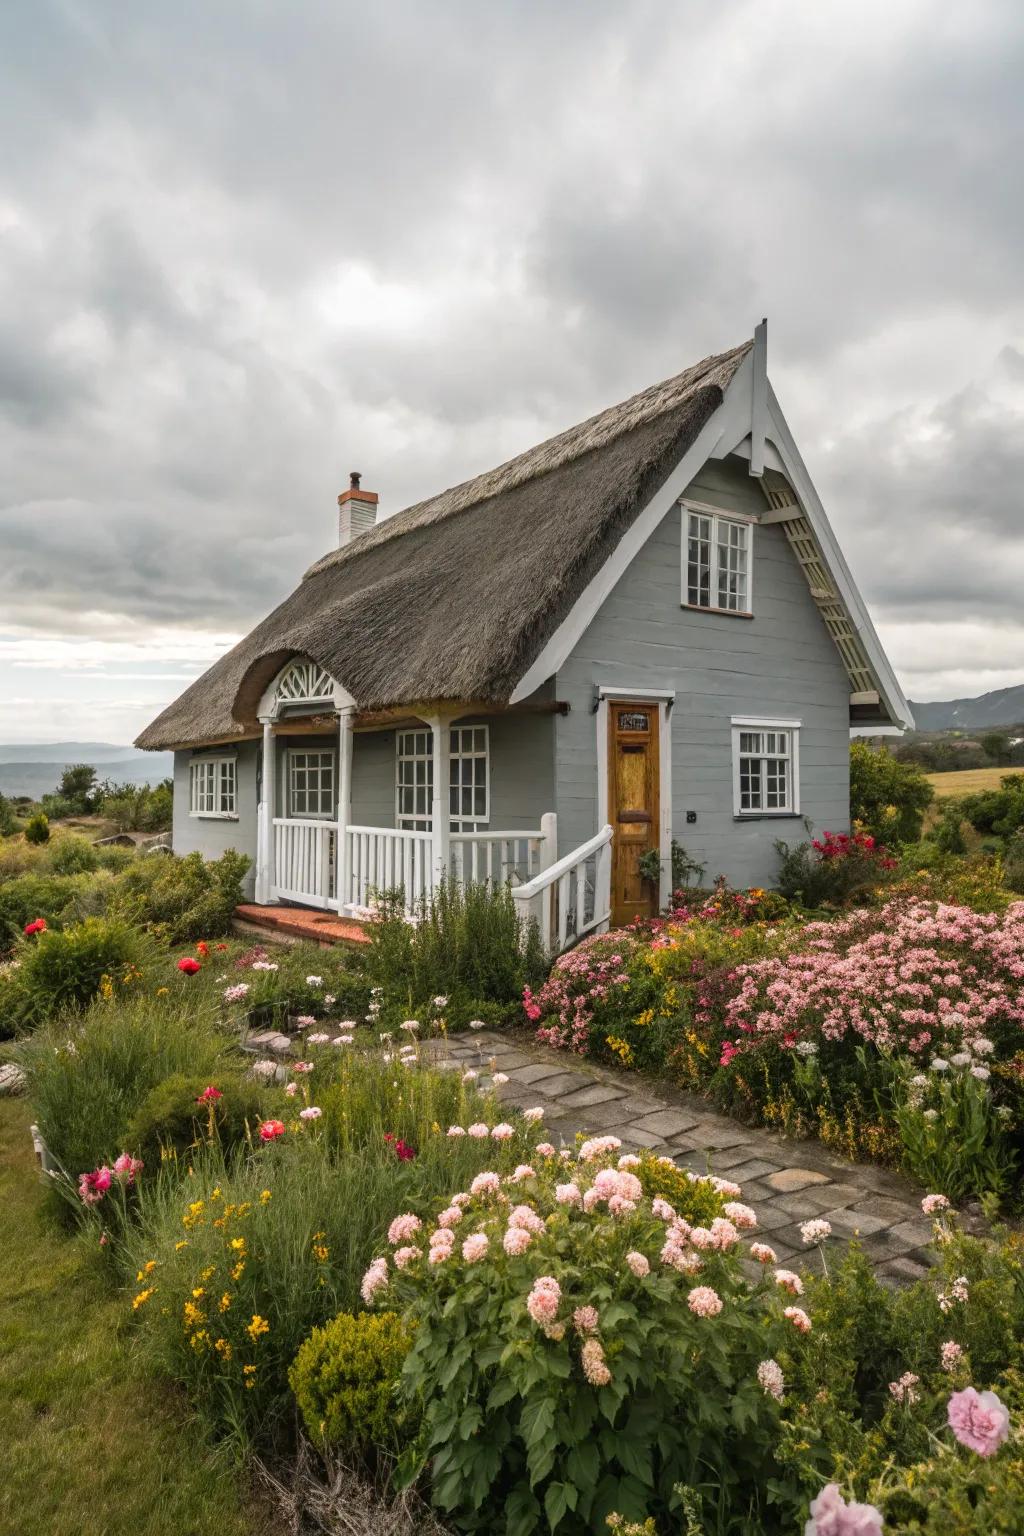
638 1264
442 1241
374 1281
598 1146
586 1320
403 1228
951 1355
475 1247
704 1301
592 975
771 1379
516 1241
544 1300
931 1205
798 1317
486 1183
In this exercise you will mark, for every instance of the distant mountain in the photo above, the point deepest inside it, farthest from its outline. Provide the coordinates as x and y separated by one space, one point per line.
1004 706
36 769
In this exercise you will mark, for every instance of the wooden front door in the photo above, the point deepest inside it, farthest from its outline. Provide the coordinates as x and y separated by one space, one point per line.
633 805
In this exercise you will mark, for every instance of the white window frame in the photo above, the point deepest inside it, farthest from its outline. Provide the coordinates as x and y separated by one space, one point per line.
222 776
718 519
291 768
461 751
744 725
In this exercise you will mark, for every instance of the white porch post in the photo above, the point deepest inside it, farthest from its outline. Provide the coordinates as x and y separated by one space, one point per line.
265 817
342 859
440 819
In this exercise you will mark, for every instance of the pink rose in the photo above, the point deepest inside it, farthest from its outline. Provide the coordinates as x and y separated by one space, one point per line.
978 1420
832 1516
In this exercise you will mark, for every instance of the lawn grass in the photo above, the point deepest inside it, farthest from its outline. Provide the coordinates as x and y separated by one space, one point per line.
90 1447
967 781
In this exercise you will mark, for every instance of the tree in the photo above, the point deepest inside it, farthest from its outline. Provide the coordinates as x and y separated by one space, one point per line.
887 798
996 746
77 784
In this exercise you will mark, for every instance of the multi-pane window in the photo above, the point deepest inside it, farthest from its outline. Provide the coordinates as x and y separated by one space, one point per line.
311 784
213 786
765 767
468 786
717 562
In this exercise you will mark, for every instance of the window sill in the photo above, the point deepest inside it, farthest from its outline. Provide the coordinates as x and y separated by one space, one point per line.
767 816
723 613
213 815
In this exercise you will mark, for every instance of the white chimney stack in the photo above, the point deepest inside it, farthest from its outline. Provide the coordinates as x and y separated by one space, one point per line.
357 510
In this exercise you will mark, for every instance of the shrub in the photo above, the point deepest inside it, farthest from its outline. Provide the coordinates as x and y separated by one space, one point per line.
833 869
8 820
37 829
570 1361
183 899
954 1136
888 798
997 811
70 855
137 807
31 896
174 1115
65 970
344 1379
1013 863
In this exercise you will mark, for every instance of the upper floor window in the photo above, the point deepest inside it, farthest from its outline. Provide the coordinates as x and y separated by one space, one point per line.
468 778
213 787
717 562
311 784
766 767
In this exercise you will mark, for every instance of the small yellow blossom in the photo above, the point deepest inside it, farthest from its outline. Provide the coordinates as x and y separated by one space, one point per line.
265 1195
211 1269
249 1372
223 1348
238 1244
200 1340
224 1302
143 1296
180 1245
257 1327
192 1315
236 1273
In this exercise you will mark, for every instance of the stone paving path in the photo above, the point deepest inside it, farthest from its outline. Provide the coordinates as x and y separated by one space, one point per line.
787 1182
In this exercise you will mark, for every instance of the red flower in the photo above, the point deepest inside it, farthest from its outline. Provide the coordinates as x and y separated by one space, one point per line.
222 946
188 966
209 1095
404 1152
39 926
203 948
271 1129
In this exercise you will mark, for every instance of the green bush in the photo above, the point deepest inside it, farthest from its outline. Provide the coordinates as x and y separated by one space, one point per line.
137 807
344 1379
71 855
172 1116
183 899
832 870
37 829
888 798
8 820
997 811
1013 863
27 897
62 971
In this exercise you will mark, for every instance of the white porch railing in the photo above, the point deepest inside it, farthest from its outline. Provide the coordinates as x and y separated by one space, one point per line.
384 858
571 897
503 857
304 867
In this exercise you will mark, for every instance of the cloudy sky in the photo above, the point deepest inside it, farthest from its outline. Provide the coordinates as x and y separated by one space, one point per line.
247 246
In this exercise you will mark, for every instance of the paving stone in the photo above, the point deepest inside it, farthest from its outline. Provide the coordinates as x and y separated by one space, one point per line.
534 1072
887 1210
770 1218
902 1271
821 1197
506 1061
755 1169
917 1230
717 1138
886 1245
555 1087
848 1223
606 1118
732 1157
596 1093
636 1107
666 1122
788 1180
641 1138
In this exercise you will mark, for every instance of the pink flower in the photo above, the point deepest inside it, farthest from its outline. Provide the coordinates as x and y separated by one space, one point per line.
762 1253
38 925
595 1367
474 1248
934 1203
375 1279
597 1146
271 1129
304 1020
704 1301
662 1209
682 1259
516 1241
522 1173
485 1184
188 966
545 1149
209 1095
770 1378
544 1300
832 1516
450 1218
291 1089
638 1264
502 1132
741 1216
478 1131
311 1112
526 1217
951 1354
978 1420
798 1317
403 1228
456 1130
302 1066
126 1167
585 1319
405 1256
789 1282
568 1194
534 1114
816 1231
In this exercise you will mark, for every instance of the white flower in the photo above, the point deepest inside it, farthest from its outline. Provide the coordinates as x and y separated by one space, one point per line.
440 1002
919 1081
314 981
930 1114
536 1113
940 1065
470 1076
770 1378
981 1046
499 1079
981 1073
816 1231
328 999
961 1059
411 1025
264 1068
477 1024
342 1040
807 1048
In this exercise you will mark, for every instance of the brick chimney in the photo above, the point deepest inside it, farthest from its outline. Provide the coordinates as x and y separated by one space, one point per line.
357 510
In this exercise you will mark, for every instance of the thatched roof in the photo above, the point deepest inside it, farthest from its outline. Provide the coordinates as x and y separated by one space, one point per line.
452 599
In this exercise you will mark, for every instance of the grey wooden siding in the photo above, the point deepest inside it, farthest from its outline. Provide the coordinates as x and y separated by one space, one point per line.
781 662
212 836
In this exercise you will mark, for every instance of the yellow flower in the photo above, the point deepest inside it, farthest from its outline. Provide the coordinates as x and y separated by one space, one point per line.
198 1292
194 1215
238 1244
249 1372
141 1299
200 1340
236 1273
257 1327
265 1195
161 991
211 1269
192 1315
215 1193
223 1348
224 1302
179 1246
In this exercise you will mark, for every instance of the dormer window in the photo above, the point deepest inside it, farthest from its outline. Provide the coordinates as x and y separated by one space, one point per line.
716 561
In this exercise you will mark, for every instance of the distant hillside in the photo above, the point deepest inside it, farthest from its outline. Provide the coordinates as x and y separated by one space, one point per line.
1004 706
35 770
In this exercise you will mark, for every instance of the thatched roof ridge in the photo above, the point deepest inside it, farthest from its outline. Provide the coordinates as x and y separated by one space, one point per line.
453 598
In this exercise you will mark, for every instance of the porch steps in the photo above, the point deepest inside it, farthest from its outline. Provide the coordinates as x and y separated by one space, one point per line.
293 925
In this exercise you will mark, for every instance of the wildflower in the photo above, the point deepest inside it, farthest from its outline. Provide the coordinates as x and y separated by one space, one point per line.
302 1066
126 1168
375 1279
762 1253
816 1231
933 1203
264 965
225 1302
485 1184
478 1130
477 1024
771 1379
266 1068
638 1264
703 1301
680 1258
456 1130
143 1296
470 1076
475 1246
789 1282
832 1516
939 1064
320 1038
223 1349
534 1114
405 1256
410 1026
403 1227
183 1243
981 1073
236 993
93 1186
544 1299
314 981
545 1149
798 1317
741 1216
595 1367
903 1390
951 1354
311 1112
249 1375
291 1089
596 1147
271 1129
502 1132
304 1020
257 1327
585 1319
978 1420
38 925
516 1241
188 966
499 1079
209 1095
449 1218
522 1172
981 1046
265 1195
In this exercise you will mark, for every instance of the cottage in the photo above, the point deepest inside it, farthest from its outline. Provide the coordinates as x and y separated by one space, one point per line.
641 632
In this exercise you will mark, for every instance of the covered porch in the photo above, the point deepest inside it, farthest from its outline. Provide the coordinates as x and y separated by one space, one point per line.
351 805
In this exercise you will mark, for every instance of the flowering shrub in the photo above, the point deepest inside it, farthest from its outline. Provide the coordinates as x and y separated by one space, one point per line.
344 1379
60 971
830 870
181 1110
581 1349
954 1136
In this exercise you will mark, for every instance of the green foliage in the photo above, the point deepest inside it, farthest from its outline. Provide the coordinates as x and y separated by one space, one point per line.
183 899
37 829
466 943
71 855
8 820
996 811
832 871
888 798
996 746
63 970
77 786
171 1118
137 807
1013 863
344 1380
954 1136
695 1200
27 897
684 868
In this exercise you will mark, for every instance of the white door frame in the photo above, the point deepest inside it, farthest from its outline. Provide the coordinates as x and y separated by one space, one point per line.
664 698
